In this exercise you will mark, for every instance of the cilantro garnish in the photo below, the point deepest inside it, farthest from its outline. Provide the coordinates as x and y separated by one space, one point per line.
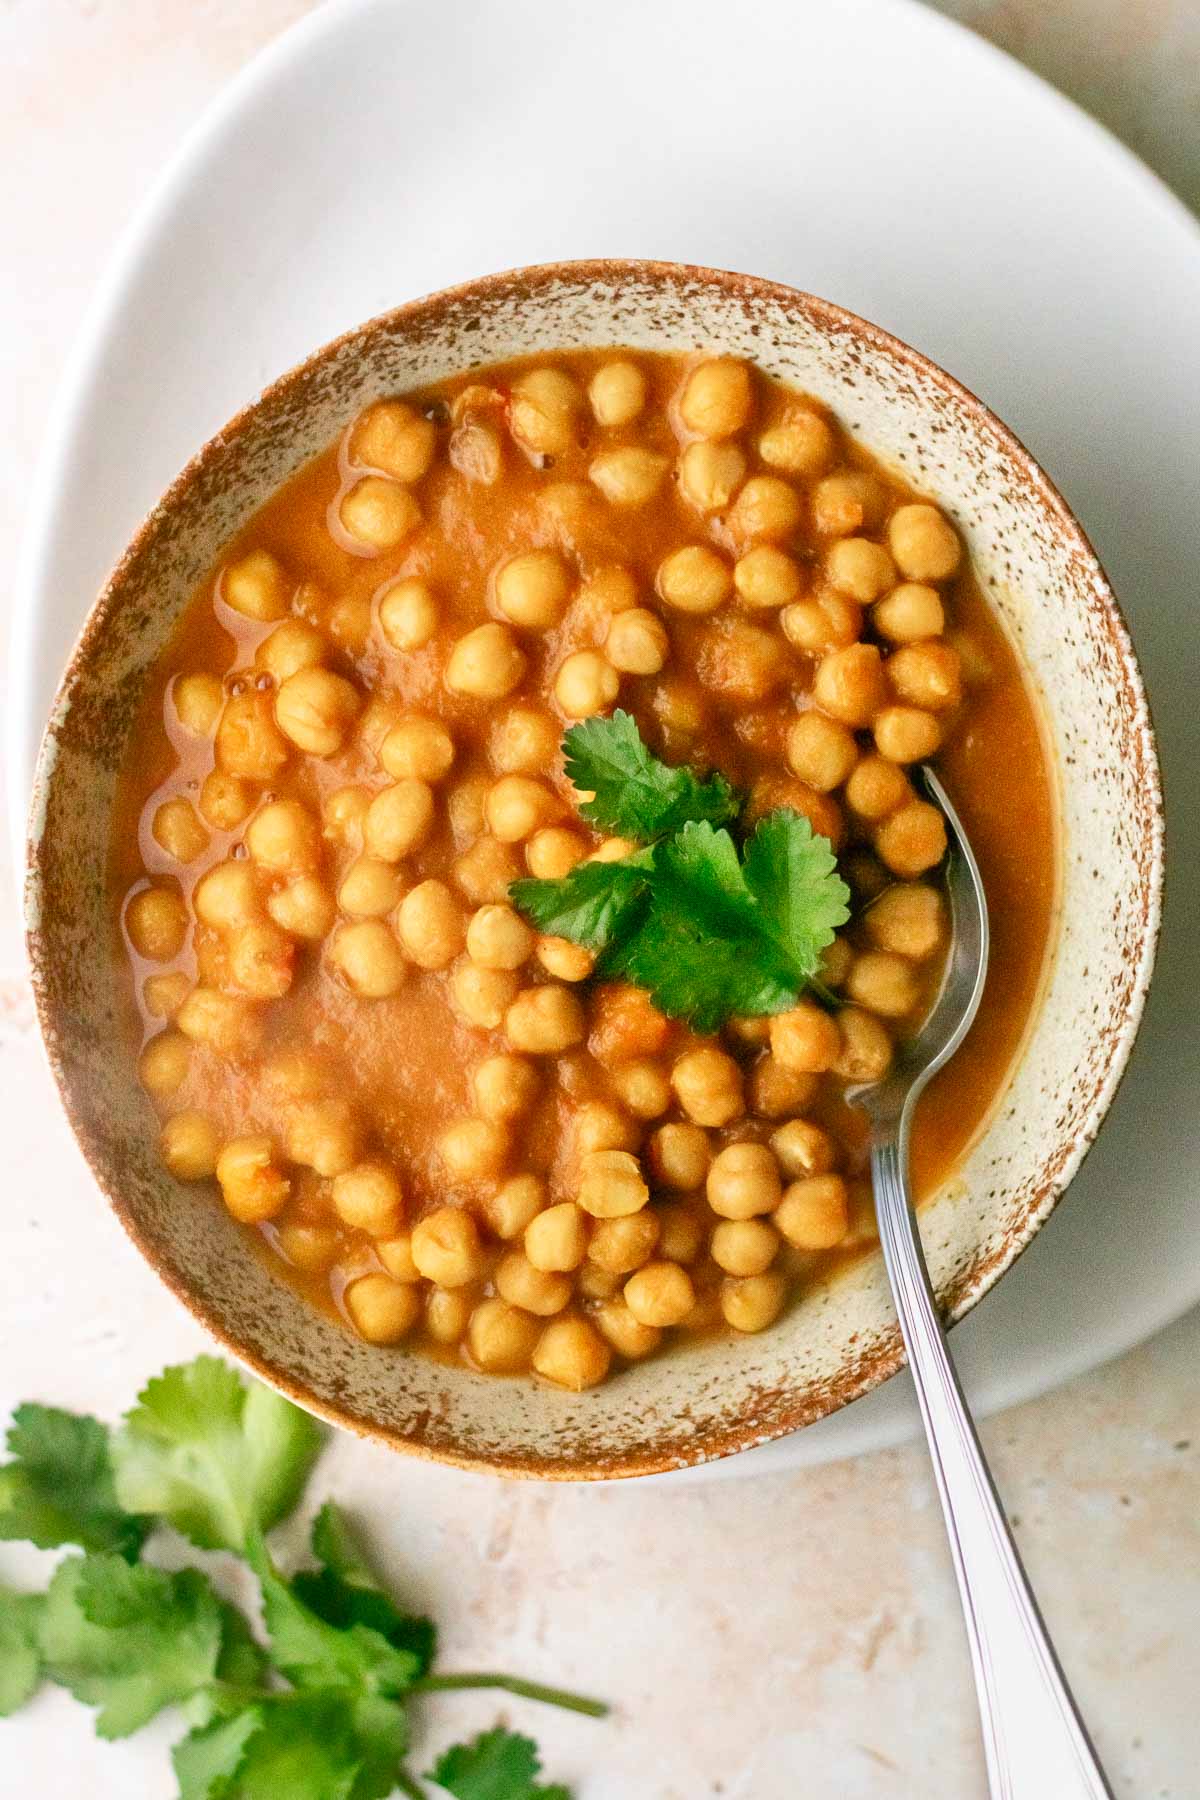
320 1711
709 931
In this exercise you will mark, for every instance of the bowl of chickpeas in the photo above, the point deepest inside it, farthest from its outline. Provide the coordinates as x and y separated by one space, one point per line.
479 840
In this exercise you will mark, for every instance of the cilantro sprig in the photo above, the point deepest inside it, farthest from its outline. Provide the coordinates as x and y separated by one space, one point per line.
318 1712
711 930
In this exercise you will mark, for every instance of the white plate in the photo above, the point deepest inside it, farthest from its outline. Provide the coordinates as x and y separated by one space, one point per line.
871 152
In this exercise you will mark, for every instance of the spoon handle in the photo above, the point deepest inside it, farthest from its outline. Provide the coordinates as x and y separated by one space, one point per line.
1035 1741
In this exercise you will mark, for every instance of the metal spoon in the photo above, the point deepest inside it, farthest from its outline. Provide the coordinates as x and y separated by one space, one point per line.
1036 1744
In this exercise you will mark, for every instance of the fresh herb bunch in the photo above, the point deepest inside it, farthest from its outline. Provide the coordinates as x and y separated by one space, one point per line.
317 1713
710 930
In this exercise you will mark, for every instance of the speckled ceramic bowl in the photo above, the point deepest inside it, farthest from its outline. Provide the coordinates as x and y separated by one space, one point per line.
1041 576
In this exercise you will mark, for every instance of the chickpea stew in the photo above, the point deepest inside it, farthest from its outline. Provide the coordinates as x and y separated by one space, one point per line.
442 1122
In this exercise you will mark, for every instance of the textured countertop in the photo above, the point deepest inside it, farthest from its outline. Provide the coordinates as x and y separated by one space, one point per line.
761 1639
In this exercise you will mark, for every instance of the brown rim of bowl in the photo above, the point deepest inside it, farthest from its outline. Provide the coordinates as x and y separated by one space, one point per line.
962 1295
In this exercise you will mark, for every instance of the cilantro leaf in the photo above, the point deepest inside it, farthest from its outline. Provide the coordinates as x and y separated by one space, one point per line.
313 1653
701 950
633 792
792 873
345 1591
214 1457
58 1489
20 1657
129 1640
594 904
497 1765
317 1745
208 1760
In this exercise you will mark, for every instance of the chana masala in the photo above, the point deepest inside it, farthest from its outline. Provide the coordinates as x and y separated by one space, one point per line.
443 1124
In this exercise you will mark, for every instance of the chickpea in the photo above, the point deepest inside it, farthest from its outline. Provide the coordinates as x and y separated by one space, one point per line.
370 888
257 586
680 1232
625 1023
498 938
630 476
744 1246
544 1020
563 959
599 1126
805 1039
482 996
924 544
813 1213
324 1136
368 959
801 444
802 1148
313 1248
741 661
197 700
766 508
514 1205
448 1314
379 514
156 920
617 392
850 684
557 1240
905 734
846 502
315 709
486 871
752 1302
660 1294
524 742
226 1023
430 925
543 411
884 983
776 1091
743 1181
476 452
866 1048
349 623
368 1197
597 1284
927 675
396 1256
253 1186
572 1354
767 578
505 1087
474 1149
828 622
859 568
708 1086
876 787
446 1247
913 839
395 439
284 838
486 664
345 815
694 579
262 960
408 614
291 646
621 1245
304 908
163 1064
749 1030
587 683
465 808
533 589
867 877
377 718
500 1338
398 820
249 743
680 1156
611 1184
517 806
613 849
178 831
381 1310
910 612
610 589
225 801
538 1291
643 1087
417 748
163 995
908 919
626 1335
717 398
820 751
637 642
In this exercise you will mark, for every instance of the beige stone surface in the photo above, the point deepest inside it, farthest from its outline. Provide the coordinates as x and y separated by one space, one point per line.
797 1634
